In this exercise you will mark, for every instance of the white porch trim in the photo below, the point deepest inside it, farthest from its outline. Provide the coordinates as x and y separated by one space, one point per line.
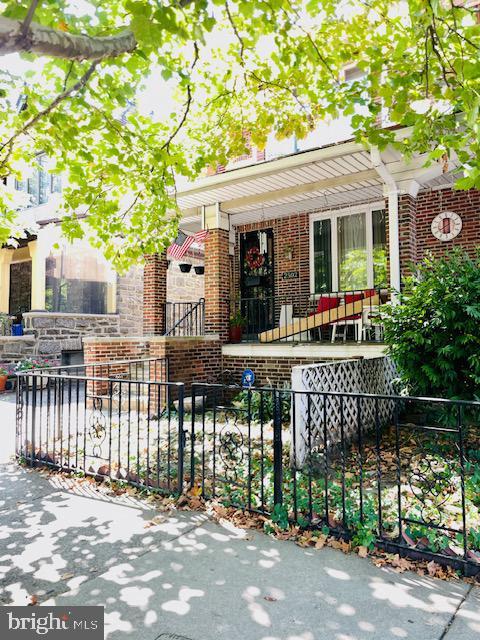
309 350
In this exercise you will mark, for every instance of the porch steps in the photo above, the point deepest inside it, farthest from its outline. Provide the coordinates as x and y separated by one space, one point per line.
318 319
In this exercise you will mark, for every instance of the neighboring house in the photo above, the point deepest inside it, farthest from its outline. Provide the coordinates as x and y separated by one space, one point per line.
69 291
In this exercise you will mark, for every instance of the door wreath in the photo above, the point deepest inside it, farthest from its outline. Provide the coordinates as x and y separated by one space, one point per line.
254 258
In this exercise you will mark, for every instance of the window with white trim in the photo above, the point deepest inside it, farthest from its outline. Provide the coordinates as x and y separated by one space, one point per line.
348 249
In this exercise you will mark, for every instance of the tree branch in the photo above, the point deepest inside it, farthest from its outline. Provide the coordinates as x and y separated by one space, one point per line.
29 17
62 96
45 41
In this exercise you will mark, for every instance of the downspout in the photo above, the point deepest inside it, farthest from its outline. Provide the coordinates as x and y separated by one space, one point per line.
393 230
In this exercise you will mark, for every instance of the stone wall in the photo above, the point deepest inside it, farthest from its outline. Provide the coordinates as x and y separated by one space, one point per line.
185 287
57 332
130 301
15 348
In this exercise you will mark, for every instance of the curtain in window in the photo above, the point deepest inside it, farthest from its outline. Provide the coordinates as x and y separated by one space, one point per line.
352 252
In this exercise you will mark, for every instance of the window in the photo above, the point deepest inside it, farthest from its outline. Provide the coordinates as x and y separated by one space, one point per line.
79 280
348 250
40 184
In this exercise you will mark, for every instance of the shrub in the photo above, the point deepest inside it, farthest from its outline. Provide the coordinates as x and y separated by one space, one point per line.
433 334
259 411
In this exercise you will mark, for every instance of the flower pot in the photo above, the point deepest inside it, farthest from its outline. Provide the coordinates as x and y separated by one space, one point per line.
199 269
3 382
184 267
17 330
235 334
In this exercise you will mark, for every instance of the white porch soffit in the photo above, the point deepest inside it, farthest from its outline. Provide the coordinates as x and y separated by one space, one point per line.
318 179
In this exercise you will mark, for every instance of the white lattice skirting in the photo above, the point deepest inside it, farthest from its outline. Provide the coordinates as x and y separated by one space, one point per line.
314 412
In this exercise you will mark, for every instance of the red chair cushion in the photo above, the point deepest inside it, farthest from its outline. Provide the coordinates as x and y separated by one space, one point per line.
325 303
369 293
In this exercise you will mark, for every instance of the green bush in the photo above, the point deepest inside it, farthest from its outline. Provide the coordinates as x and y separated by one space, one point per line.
260 404
433 334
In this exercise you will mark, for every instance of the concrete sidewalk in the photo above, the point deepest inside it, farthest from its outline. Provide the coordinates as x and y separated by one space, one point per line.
186 578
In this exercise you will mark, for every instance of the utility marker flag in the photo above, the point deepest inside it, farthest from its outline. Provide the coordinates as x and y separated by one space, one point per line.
183 243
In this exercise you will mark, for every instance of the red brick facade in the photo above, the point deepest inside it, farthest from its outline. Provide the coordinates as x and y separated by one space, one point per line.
292 248
291 254
268 371
431 203
189 359
154 294
217 283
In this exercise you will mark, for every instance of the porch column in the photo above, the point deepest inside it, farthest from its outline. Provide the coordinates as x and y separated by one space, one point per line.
154 294
38 253
5 260
217 272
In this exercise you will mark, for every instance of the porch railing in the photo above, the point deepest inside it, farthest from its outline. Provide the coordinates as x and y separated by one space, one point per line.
363 323
185 318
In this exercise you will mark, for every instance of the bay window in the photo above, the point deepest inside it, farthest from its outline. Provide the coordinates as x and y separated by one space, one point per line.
79 280
348 249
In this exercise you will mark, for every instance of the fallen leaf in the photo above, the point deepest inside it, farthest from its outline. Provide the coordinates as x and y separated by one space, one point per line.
33 601
362 551
67 576
320 541
269 598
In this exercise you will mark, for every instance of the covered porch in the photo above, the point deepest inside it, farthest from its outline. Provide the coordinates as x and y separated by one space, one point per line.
308 247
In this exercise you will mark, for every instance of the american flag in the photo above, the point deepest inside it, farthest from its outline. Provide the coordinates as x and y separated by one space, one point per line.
183 243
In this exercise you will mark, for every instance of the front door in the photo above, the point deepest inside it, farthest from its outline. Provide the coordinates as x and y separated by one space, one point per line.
257 283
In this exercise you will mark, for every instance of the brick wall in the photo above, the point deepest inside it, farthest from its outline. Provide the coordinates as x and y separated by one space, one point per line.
407 225
189 359
431 203
217 283
154 294
268 371
415 219
291 253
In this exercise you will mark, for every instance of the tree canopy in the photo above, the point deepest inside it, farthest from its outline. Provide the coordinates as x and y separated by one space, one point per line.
220 68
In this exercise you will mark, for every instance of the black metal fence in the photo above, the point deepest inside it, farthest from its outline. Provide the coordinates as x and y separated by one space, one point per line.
185 318
126 426
399 472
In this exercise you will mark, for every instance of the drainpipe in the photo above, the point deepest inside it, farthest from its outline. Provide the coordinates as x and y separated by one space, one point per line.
393 231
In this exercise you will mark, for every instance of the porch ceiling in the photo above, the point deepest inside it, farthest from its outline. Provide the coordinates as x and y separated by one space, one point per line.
319 179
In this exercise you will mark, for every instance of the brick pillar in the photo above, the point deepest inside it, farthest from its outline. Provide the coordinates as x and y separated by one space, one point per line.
217 283
407 231
154 294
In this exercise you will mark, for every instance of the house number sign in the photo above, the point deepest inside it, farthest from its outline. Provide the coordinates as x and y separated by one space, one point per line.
446 226
289 275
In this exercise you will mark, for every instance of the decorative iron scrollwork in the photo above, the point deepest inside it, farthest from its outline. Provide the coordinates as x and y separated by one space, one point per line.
97 428
231 443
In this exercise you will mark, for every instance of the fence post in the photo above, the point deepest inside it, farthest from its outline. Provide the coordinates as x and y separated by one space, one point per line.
277 448
34 416
181 436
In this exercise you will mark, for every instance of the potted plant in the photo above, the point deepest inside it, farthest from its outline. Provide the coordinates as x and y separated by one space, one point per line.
4 373
30 365
185 267
237 322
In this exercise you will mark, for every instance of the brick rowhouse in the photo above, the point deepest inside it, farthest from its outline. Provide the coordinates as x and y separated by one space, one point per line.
217 283
154 294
